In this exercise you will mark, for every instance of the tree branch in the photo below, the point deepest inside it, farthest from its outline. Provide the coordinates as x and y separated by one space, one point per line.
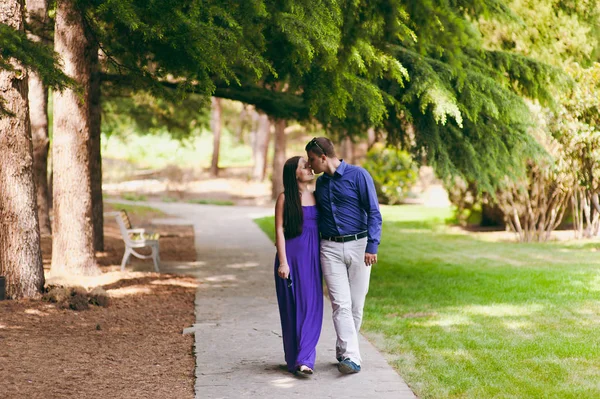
277 104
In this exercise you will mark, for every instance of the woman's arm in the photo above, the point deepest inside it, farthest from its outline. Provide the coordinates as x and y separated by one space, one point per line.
284 269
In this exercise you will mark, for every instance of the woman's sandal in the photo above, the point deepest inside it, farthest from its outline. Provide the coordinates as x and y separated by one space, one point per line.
303 369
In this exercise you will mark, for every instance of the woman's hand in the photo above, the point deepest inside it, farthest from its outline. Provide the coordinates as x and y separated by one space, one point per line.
283 271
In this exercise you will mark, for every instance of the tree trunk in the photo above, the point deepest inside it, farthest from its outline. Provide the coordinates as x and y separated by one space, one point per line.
260 147
37 11
50 180
278 158
243 120
20 254
95 153
371 137
73 243
347 150
215 125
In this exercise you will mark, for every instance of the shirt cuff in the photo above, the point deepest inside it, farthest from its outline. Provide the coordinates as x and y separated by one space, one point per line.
371 248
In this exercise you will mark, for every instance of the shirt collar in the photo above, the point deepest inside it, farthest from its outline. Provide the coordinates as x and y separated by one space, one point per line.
342 168
339 171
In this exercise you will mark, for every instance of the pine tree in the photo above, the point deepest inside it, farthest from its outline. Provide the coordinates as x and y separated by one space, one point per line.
72 243
20 254
35 56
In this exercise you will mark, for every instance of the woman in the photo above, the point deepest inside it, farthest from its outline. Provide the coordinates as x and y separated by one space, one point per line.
297 267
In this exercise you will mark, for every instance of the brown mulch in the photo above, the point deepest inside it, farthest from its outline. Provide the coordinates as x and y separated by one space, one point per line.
134 348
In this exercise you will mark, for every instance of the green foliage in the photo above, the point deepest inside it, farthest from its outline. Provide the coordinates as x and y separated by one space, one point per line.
552 31
569 176
349 64
394 173
36 56
421 71
555 32
577 118
465 199
150 115
345 95
184 42
464 101
575 125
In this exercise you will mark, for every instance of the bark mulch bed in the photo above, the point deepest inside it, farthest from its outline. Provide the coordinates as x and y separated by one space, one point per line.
134 348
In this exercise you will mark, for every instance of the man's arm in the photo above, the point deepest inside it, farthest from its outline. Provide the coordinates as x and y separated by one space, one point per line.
368 199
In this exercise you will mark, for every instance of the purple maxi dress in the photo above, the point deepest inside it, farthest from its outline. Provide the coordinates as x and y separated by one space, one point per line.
301 305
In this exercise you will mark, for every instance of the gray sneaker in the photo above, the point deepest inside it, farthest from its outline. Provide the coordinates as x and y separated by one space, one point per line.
347 366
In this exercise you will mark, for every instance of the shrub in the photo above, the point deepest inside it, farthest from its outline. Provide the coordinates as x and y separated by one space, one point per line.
394 172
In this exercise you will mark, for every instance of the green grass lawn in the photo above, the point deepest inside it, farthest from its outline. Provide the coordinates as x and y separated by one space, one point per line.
459 317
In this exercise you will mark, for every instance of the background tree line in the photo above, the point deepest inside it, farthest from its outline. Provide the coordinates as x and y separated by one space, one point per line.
428 76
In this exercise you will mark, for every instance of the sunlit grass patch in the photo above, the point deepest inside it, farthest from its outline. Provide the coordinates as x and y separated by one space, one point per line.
134 197
208 201
267 224
462 317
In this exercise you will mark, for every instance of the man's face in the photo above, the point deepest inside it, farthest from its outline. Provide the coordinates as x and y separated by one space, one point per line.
315 162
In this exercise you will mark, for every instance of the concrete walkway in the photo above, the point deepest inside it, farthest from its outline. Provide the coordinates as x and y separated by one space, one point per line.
239 352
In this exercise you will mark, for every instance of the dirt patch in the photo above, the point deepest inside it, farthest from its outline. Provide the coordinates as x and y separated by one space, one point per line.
132 349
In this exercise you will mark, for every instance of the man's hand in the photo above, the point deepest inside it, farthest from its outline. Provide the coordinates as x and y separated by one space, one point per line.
283 271
370 259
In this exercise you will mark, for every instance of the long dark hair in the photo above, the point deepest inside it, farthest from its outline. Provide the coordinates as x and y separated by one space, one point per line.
292 206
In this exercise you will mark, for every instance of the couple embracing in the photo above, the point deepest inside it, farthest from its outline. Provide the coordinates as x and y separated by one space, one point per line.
332 232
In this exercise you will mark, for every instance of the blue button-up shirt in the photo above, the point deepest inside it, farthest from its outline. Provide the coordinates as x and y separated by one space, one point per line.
348 204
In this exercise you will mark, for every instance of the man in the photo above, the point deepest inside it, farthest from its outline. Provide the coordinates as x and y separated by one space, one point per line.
350 229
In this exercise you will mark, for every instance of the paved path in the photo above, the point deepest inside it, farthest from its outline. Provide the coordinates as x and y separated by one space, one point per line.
237 332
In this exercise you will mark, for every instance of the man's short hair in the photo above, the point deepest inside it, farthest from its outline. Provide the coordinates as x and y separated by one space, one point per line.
320 146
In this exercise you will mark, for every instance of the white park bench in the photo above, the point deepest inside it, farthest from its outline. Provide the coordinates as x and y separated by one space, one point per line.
136 238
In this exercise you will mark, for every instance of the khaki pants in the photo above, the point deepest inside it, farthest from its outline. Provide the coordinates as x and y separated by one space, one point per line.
347 279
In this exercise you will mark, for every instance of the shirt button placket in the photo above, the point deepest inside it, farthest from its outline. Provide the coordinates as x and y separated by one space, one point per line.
334 210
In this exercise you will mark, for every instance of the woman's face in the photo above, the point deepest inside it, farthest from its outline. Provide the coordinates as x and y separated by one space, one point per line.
303 172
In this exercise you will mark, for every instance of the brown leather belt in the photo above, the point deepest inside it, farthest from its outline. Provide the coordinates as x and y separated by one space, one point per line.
349 237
